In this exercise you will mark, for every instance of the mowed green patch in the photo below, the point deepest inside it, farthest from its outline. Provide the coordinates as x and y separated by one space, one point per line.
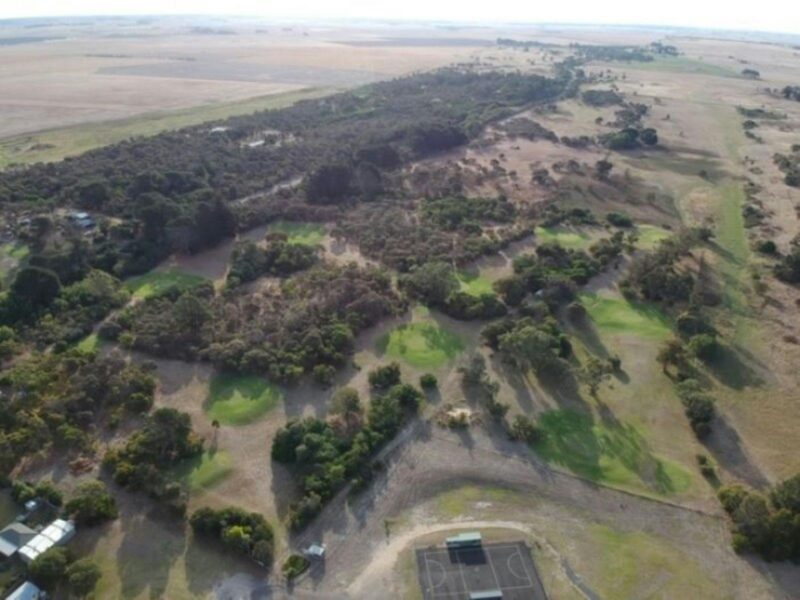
10 256
474 283
91 343
310 234
158 282
612 452
240 399
205 471
574 240
649 236
422 344
617 316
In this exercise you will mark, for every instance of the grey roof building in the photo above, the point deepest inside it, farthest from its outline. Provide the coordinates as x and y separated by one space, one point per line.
14 537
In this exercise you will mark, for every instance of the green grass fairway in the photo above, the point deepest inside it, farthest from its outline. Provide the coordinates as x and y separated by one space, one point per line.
91 343
421 344
55 144
473 283
157 282
615 453
17 251
309 234
574 240
205 471
615 315
650 236
240 399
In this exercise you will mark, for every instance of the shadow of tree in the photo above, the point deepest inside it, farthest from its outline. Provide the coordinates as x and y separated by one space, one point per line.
727 448
151 544
729 368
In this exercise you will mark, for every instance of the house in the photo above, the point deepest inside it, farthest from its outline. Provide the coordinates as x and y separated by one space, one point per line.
27 591
13 537
58 533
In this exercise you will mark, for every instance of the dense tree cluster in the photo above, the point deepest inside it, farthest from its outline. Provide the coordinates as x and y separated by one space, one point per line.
143 461
467 214
768 525
61 399
325 454
654 276
173 191
789 164
91 504
242 532
277 257
436 285
283 333
601 97
788 269
791 92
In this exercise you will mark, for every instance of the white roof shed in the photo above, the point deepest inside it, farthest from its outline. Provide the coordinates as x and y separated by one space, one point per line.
59 532
27 591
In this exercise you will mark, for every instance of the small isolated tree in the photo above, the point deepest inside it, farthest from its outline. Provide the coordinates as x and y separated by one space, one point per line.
524 429
671 354
92 504
602 169
428 381
82 577
49 568
385 376
35 286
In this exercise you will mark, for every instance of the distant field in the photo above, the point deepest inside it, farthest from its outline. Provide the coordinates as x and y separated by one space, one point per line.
240 399
55 144
309 234
157 282
679 64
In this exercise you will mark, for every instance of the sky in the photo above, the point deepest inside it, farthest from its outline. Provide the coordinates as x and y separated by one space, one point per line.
763 15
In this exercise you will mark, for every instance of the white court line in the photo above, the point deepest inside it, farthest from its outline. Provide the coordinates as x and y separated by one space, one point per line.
461 572
524 568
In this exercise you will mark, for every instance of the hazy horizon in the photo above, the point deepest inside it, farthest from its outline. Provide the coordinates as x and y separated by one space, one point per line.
769 16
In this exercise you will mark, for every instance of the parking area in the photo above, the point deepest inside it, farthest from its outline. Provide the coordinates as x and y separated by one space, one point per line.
456 573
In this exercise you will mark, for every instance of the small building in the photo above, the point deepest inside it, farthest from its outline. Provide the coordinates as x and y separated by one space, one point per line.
469 539
58 533
315 551
486 595
13 537
27 591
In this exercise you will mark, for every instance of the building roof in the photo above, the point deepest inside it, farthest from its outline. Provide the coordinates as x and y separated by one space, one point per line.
15 536
27 591
58 532
468 537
